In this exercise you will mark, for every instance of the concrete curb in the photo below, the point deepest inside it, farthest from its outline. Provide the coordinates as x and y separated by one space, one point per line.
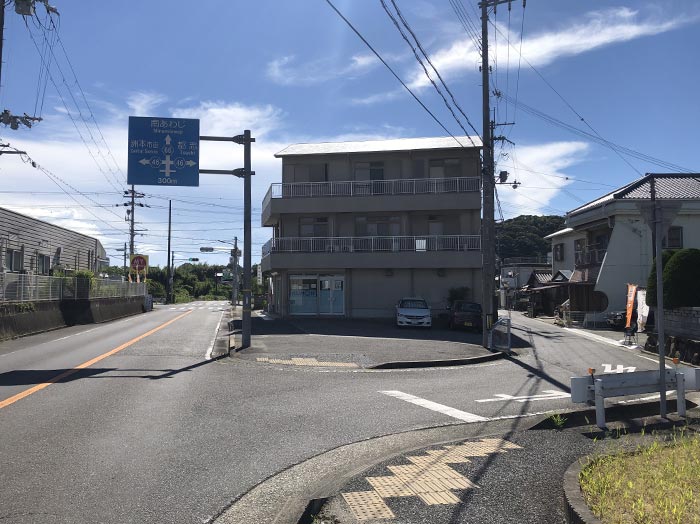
576 509
411 364
285 497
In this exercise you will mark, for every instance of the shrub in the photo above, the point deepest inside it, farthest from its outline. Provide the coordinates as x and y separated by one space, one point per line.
651 281
681 283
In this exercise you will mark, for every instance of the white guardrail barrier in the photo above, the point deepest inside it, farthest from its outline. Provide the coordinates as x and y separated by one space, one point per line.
594 389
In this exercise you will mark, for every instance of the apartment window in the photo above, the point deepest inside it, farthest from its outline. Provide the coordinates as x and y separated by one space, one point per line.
43 264
445 168
382 226
559 252
313 227
318 173
369 171
673 239
13 260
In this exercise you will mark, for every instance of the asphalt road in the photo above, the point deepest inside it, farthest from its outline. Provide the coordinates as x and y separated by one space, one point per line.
155 432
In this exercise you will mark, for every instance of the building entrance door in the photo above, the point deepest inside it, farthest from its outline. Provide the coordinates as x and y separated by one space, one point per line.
331 299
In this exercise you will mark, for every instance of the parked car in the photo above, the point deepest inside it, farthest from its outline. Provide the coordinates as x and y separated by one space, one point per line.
616 319
413 312
465 315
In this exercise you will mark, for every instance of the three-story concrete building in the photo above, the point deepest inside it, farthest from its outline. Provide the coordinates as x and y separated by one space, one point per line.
358 225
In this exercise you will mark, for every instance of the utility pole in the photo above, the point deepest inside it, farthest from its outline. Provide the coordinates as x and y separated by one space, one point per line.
131 225
132 195
24 9
170 218
661 339
172 276
488 227
234 293
125 273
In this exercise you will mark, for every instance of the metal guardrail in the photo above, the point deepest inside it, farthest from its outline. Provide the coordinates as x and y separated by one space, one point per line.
371 244
411 186
16 287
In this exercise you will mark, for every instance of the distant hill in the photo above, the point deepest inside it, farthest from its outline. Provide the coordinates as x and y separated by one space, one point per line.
523 236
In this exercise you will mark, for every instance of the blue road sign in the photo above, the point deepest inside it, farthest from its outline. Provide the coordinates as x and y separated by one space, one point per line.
163 151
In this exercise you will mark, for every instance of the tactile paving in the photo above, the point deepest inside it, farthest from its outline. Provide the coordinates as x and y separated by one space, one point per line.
367 505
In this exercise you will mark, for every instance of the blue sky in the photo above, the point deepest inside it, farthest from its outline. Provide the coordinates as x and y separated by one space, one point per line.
294 72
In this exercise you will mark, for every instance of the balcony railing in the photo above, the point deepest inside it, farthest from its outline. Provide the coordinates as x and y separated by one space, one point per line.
412 186
372 244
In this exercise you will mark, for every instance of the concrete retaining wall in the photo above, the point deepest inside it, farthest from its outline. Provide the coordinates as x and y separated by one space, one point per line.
683 322
20 319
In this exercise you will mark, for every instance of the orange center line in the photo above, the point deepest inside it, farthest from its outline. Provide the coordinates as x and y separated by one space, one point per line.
39 387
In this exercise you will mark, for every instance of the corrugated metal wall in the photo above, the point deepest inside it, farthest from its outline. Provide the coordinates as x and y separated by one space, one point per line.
33 240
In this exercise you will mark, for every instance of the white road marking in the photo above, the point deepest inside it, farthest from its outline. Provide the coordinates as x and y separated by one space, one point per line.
207 356
607 368
434 406
75 334
547 394
656 360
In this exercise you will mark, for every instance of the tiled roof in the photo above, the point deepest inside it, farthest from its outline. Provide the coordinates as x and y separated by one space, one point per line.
672 186
543 277
377 146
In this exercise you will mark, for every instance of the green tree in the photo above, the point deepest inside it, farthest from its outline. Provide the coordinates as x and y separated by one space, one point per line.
523 236
651 281
681 284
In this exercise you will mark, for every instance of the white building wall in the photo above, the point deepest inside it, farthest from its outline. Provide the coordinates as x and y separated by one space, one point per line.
627 260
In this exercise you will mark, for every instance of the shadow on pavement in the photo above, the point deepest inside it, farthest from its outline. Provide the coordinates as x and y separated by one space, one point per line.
30 377
26 377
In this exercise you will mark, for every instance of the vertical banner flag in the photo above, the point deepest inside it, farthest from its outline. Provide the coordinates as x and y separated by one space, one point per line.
642 309
631 293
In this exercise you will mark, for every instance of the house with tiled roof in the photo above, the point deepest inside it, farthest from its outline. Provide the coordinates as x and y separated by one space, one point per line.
608 242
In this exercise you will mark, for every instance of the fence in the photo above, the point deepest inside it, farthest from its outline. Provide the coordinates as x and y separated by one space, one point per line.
15 287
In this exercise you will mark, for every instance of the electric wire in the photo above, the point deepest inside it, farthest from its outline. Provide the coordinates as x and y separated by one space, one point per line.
425 70
376 53
69 112
55 179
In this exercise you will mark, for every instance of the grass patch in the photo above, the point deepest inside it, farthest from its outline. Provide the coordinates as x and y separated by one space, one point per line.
657 483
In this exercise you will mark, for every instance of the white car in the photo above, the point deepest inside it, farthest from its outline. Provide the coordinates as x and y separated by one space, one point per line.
413 312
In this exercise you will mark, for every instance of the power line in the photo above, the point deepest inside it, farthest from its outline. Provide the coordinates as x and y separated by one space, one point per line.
330 3
55 179
69 113
425 70
597 138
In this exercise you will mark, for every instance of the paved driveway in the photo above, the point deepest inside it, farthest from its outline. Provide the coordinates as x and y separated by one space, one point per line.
354 343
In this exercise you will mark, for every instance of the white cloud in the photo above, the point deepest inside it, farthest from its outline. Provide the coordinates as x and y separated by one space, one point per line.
285 71
142 103
540 170
596 30
228 119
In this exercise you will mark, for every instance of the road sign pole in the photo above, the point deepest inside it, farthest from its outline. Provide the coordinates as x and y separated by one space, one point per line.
246 324
245 139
